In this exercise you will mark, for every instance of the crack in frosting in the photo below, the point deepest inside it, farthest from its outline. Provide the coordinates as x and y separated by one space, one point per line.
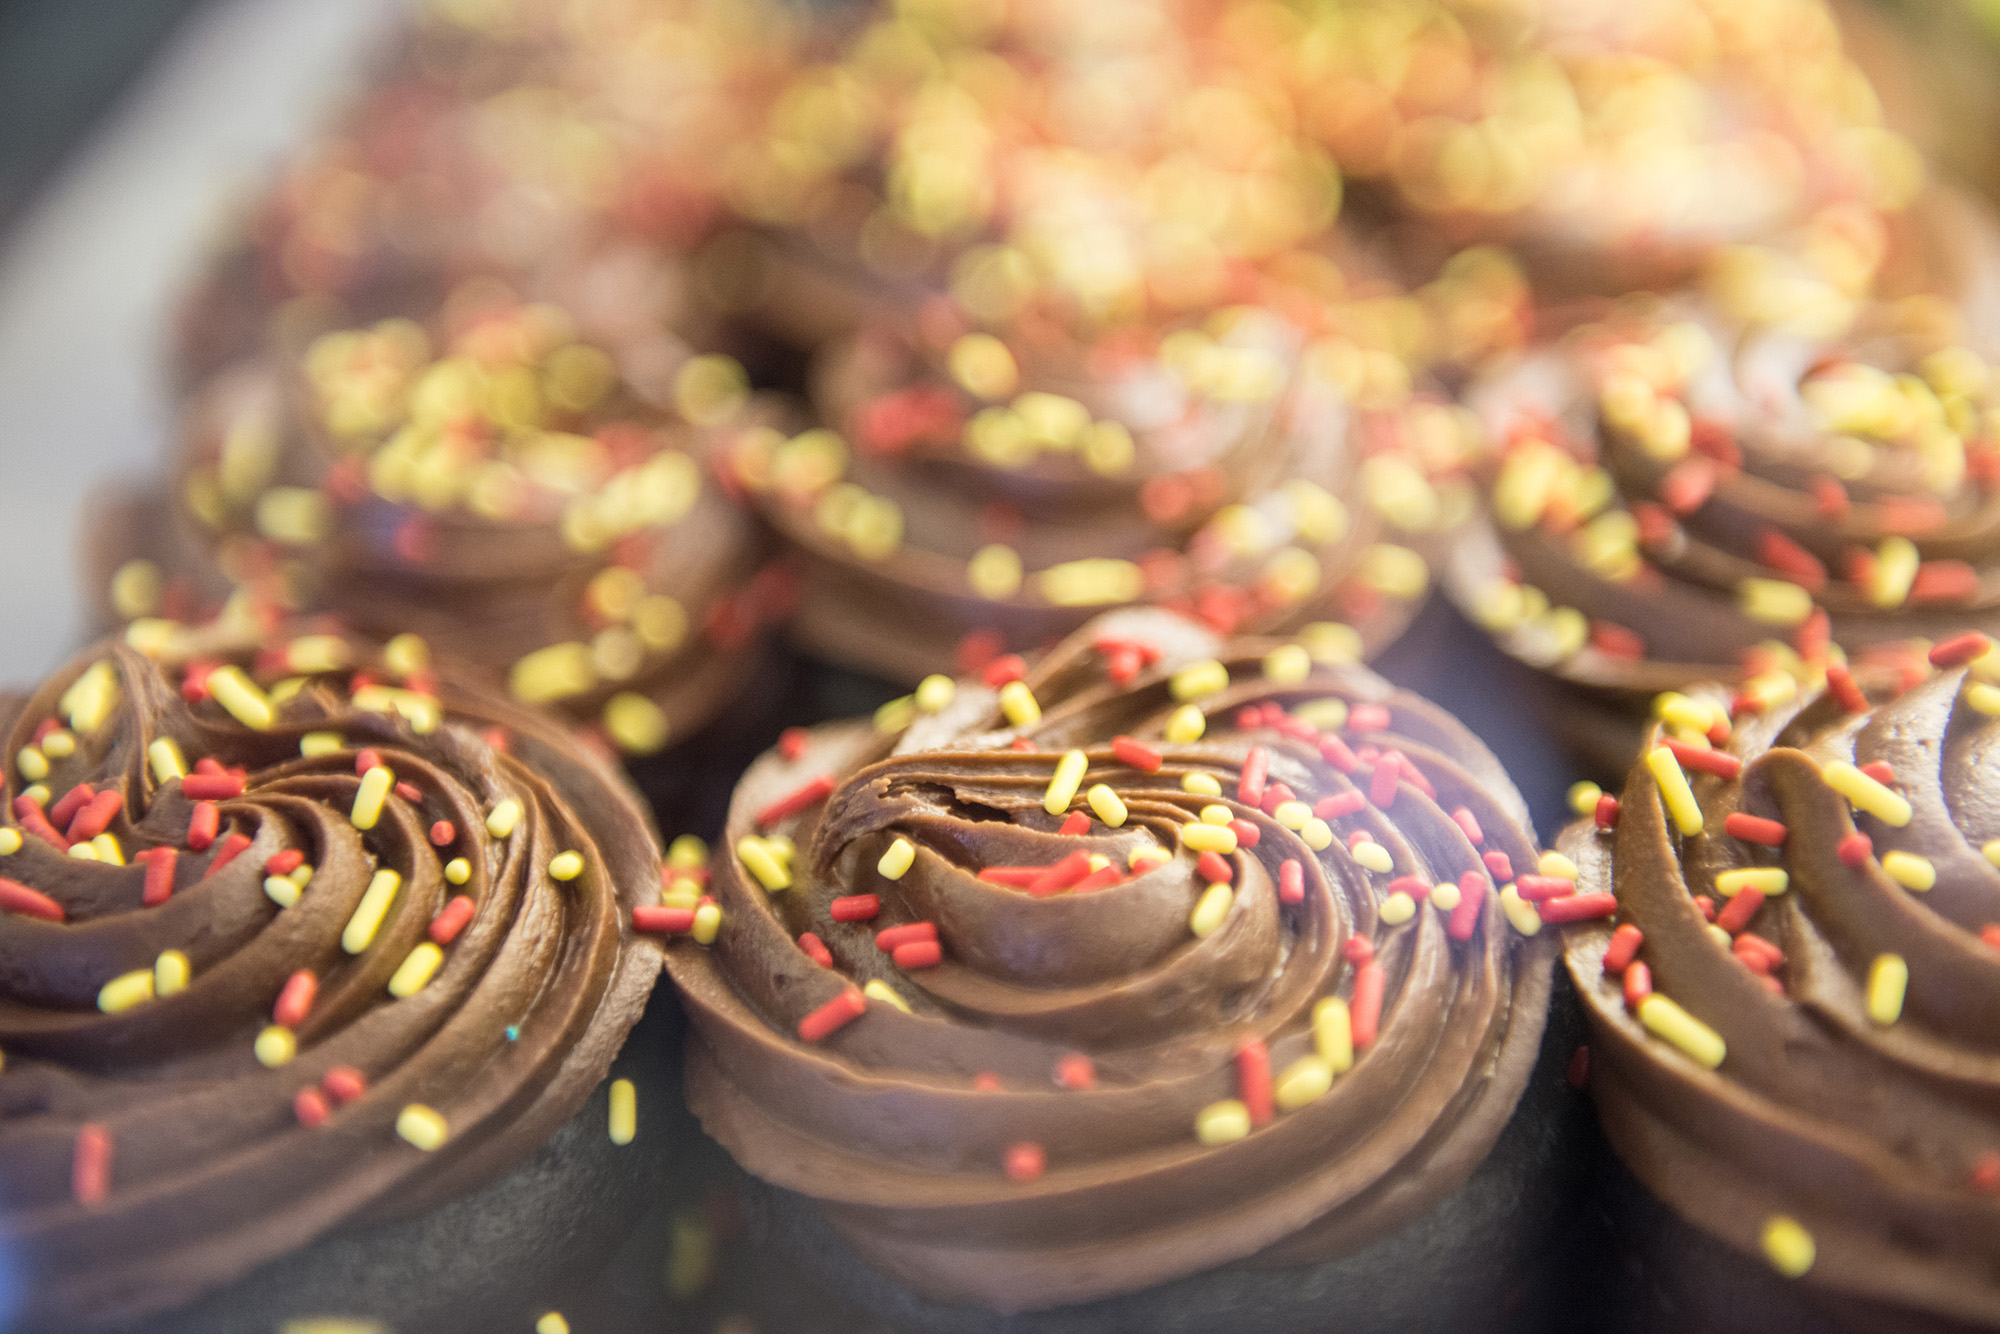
1060 1009
1797 1012
283 947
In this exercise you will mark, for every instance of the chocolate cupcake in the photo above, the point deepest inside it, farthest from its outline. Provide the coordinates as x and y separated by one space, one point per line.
1676 498
1792 1015
1149 1002
496 486
301 941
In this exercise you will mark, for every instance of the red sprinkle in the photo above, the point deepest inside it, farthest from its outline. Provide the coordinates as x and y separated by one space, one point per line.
854 908
1076 823
453 917
1247 834
366 760
284 863
1736 913
1638 984
1855 850
1578 1072
813 790
1368 718
889 939
1986 1172
411 793
1076 1071
1382 783
1253 1080
1751 944
1944 581
1469 823
1577 908
815 949
1959 650
1025 1161
443 833
1250 783
1472 898
232 848
843 1009
1340 804
1540 888
295 1001
1754 829
32 819
1055 879
1357 949
208 764
203 824
1606 814
90 1167
1104 877
1881 771
1291 882
1841 685
70 803
1789 558
1015 877
1214 869
1365 1009
310 1107
1718 762
651 917
1705 905
16 897
1829 497
211 787
160 866
1498 866
1135 755
1624 948
793 743
1007 667
1687 485
343 1084
918 954
987 1082
1415 886
1337 753
1990 933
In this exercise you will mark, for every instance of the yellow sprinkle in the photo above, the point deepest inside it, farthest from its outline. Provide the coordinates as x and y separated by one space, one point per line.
1983 698
624 1111
416 970
126 990
34 765
1017 702
83 852
1520 913
1217 814
316 654
1186 723
1210 909
90 698
1553 863
406 654
320 743
1198 837
369 797
896 861
240 696
1864 793
1208 677
1201 784
636 723
1317 834
59 744
682 893
554 672
707 923
1287 665
876 989
10 841
1068 777
1769 881
423 1127
1222 1122
566 865
1445 896
1292 814
107 849
302 876
687 852
1098 861
782 847
1665 1019
1398 908
1788 1246
1148 859
553 1322
171 973
500 821
896 715
1991 849
1896 562
1674 790
1327 715
934 692
135 589
166 760
1303 1081
275 1046
368 914
758 859
1109 807
1718 935
994 571
1091 583
1374 857
281 890
1333 1033
1910 870
39 794
982 365
1888 981
1774 601
1583 797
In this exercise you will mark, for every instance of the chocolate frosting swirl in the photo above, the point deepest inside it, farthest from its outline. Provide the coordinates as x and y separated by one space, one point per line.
1864 1117
160 1145
1016 1125
502 489
1678 498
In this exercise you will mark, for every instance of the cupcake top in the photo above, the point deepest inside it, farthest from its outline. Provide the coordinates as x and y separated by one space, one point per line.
294 936
1160 971
1796 1013
495 484
1676 498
